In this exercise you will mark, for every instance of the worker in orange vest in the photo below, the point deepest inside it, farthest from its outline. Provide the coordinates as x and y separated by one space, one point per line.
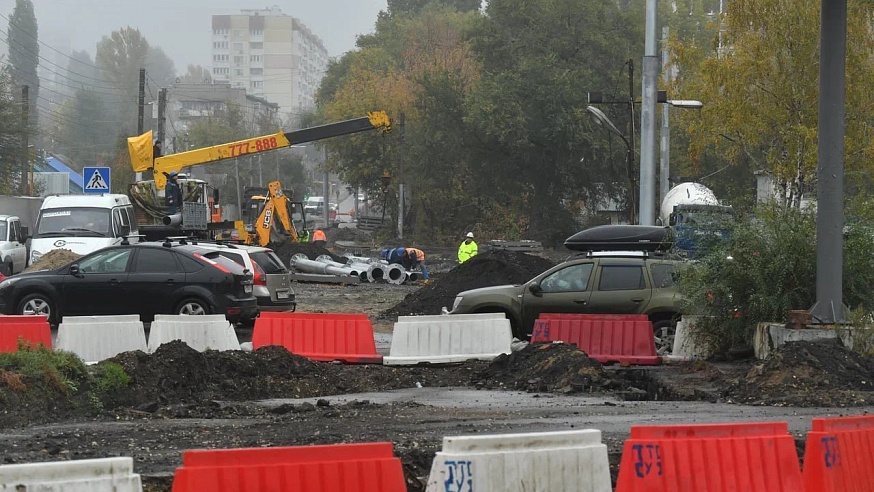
416 258
319 238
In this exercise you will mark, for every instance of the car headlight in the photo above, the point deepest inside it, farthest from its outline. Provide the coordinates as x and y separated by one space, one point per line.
457 302
8 282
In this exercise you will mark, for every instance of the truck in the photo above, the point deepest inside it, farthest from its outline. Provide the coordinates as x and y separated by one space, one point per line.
13 249
200 202
696 216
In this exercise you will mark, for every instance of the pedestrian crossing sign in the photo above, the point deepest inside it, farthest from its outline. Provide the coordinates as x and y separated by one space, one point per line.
96 179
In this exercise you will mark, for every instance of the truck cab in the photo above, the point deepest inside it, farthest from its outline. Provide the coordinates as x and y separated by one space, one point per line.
199 202
13 250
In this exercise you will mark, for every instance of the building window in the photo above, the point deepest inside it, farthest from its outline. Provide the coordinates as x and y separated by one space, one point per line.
257 32
256 71
238 46
256 46
238 60
257 84
238 72
255 58
237 33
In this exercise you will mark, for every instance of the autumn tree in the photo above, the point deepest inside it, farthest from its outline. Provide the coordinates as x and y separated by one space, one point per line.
120 57
761 91
24 53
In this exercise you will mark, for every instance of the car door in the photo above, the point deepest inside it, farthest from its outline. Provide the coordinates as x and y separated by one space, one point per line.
100 284
566 290
621 288
155 278
19 249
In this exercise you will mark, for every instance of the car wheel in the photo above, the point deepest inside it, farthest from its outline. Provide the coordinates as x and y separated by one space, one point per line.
37 304
192 307
664 332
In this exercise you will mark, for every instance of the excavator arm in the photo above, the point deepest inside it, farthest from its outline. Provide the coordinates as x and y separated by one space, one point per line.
276 205
141 148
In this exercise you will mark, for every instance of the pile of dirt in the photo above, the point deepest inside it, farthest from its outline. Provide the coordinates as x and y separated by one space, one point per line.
286 251
498 267
808 374
552 367
52 260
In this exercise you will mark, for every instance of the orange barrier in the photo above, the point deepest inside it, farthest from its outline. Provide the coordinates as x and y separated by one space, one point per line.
368 467
838 455
750 457
602 339
319 336
34 330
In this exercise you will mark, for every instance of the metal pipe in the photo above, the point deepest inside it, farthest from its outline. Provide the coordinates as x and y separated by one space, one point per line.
302 263
412 277
395 274
175 219
359 259
376 272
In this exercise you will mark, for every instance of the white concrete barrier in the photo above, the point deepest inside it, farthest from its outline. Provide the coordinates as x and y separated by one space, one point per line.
208 332
442 317
566 461
97 475
443 339
96 338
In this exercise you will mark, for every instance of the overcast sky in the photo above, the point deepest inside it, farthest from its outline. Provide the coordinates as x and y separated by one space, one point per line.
182 28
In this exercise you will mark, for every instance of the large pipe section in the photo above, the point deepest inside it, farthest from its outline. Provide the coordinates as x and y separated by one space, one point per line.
304 264
172 220
395 274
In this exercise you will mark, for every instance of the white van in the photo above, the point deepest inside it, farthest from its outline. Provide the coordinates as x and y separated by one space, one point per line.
82 223
315 205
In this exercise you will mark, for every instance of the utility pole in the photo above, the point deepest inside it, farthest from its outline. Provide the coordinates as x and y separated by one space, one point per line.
162 110
665 134
630 156
401 204
141 103
326 190
647 118
25 167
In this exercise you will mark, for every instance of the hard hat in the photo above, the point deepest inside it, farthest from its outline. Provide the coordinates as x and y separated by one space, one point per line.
470 235
172 174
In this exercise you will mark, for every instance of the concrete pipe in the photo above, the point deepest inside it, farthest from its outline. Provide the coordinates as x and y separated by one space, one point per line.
175 219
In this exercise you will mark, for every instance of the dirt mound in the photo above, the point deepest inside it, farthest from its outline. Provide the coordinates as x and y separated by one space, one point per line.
52 260
807 374
553 367
497 267
312 252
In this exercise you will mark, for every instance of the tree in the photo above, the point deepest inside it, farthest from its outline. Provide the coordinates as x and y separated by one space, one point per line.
761 91
82 71
159 67
401 7
120 57
24 53
10 134
196 74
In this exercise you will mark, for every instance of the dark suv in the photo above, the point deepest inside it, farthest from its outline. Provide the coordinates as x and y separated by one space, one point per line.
143 278
633 282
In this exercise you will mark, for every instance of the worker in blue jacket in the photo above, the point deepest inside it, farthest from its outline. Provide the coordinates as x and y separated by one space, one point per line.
394 255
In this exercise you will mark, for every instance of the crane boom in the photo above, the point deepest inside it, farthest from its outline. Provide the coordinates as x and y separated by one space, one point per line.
141 157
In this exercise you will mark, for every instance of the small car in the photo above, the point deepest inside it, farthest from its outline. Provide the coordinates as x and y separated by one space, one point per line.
272 280
142 278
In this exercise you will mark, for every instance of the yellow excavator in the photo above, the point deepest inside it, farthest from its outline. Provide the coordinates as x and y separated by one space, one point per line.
274 224
197 215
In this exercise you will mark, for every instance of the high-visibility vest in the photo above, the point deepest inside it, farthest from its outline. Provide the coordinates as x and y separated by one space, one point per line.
319 235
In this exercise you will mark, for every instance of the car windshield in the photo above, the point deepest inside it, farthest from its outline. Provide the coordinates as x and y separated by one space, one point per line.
3 226
56 222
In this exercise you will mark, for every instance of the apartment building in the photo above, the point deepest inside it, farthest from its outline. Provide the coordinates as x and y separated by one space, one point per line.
271 55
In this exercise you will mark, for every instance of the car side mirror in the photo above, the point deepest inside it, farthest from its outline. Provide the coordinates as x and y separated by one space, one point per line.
535 289
74 269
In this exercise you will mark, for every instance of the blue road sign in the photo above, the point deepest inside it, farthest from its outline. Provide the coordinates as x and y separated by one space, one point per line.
96 179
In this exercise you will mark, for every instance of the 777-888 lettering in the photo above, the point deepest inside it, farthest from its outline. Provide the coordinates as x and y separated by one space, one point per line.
254 145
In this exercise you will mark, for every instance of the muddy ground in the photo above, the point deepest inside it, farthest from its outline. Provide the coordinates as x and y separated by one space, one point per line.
179 399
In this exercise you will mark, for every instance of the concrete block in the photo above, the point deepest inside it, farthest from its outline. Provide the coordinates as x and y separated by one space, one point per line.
684 349
770 336
208 332
566 461
96 338
444 339
96 475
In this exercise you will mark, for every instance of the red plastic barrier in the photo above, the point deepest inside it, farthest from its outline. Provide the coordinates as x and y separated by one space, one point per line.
839 454
368 467
754 457
319 336
605 340
32 329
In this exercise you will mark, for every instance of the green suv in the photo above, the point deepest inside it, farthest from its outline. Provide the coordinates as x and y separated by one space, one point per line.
603 282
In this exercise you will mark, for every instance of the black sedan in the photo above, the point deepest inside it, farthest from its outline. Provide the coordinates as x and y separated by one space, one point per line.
143 278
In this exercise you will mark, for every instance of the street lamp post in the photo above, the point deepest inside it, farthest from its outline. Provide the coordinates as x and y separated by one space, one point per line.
602 119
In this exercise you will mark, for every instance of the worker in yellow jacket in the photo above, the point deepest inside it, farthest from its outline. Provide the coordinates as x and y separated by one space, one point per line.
468 248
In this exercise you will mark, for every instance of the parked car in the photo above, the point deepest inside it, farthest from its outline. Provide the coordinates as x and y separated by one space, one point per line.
272 280
142 278
608 282
13 250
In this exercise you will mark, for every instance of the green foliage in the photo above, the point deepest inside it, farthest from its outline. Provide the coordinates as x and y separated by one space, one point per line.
24 53
109 377
62 371
10 135
766 268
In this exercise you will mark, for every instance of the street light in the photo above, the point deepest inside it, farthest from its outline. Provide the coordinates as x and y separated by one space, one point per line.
685 103
601 119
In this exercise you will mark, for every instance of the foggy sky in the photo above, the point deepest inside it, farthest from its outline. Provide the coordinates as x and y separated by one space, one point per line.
182 28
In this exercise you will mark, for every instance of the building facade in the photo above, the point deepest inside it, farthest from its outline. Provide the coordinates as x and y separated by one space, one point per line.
272 56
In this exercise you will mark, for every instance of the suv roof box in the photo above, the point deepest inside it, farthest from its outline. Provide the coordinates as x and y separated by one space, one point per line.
621 238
